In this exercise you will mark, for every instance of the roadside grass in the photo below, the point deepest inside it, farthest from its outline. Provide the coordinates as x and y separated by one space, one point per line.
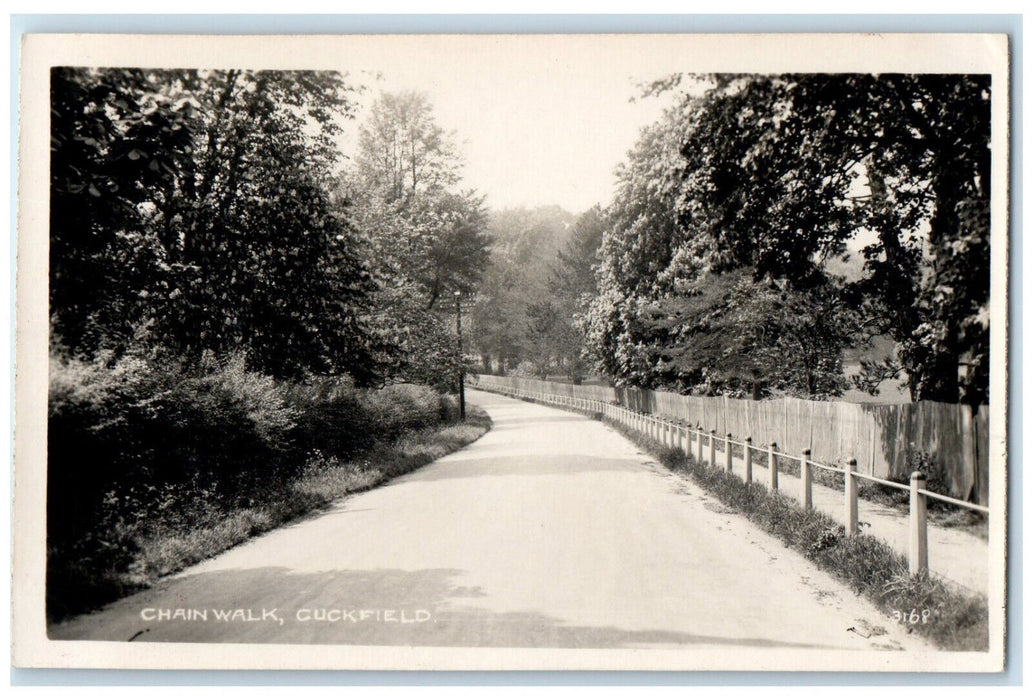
197 523
940 513
955 621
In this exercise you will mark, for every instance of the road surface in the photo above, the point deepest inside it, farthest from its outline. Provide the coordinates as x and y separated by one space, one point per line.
550 531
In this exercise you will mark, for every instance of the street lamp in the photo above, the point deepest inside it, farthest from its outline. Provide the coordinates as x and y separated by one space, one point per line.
459 337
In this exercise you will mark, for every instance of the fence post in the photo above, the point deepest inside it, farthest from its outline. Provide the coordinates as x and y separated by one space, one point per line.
850 497
713 447
805 479
728 453
699 445
748 459
683 438
772 468
918 552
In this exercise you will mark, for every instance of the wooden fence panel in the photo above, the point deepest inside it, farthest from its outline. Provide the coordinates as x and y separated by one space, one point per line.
886 440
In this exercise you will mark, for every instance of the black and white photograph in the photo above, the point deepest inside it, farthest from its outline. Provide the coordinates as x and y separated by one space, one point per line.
512 352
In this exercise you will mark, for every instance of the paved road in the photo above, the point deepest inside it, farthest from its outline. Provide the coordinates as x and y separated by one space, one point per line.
550 531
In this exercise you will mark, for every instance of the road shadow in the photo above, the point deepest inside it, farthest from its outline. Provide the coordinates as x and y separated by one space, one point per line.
375 607
514 423
523 465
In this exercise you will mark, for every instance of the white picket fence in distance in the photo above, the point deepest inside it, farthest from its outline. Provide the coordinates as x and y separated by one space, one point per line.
693 439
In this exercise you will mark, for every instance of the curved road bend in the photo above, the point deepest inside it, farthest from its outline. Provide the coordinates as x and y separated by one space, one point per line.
550 531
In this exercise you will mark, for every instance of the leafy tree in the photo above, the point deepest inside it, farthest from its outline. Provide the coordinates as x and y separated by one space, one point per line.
403 187
425 237
574 286
777 175
518 276
542 336
213 228
456 256
643 252
781 165
735 335
115 141
496 335
403 153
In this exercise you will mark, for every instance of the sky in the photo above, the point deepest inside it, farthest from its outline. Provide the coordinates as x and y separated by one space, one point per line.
538 122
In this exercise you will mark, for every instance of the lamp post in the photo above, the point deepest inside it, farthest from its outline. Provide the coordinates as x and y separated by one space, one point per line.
459 337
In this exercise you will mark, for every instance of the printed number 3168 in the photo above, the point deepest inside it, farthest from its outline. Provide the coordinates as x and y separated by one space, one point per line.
913 617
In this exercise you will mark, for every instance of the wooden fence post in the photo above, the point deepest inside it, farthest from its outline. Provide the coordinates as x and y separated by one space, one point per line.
748 459
728 453
918 552
699 444
772 468
713 447
850 497
805 479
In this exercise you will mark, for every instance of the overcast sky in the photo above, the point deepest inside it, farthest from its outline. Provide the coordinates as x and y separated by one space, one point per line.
536 127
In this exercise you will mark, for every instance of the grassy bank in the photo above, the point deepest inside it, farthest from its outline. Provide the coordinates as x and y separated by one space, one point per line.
955 620
153 467
202 526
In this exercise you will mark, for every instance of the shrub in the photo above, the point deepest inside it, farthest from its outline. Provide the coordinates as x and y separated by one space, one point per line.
146 445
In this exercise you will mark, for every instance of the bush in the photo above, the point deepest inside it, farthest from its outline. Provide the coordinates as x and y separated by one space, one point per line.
150 421
147 443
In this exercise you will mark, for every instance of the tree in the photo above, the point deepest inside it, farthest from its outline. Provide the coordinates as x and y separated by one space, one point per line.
541 334
643 252
403 154
518 276
403 186
574 286
115 142
734 335
776 175
456 255
808 147
425 237
200 202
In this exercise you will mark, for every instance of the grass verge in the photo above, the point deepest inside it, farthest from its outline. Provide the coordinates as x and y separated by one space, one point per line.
175 538
955 620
